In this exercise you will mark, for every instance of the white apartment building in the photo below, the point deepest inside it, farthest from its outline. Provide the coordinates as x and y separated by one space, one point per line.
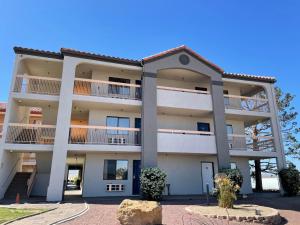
108 117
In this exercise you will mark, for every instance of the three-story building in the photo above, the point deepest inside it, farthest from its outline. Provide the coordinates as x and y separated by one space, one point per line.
109 117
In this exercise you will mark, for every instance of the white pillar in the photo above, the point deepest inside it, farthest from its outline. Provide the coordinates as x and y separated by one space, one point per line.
60 148
7 160
276 128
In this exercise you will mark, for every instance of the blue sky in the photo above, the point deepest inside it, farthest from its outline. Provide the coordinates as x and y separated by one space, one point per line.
256 37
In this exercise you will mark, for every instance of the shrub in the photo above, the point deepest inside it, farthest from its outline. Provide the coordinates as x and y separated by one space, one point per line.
235 176
290 180
226 190
153 181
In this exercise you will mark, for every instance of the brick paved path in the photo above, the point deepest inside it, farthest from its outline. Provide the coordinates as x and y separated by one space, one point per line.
104 211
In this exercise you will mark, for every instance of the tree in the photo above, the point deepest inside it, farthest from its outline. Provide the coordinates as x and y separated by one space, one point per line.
289 129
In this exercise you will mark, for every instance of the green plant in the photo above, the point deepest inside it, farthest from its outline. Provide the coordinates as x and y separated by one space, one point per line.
290 180
226 190
235 176
153 181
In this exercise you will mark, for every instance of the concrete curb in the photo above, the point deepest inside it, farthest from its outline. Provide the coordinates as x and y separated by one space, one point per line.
24 217
73 216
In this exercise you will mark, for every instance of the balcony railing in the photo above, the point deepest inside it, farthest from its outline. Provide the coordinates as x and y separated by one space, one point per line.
246 103
243 142
187 132
186 141
183 90
102 135
37 85
18 133
110 89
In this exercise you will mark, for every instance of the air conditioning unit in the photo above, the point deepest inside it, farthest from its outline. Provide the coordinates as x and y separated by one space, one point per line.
114 187
117 141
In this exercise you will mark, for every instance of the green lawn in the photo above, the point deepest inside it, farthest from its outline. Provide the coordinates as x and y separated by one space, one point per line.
7 214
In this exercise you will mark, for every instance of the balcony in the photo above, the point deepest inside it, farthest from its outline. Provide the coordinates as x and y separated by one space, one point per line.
104 138
248 104
186 141
239 144
100 88
19 133
37 85
183 98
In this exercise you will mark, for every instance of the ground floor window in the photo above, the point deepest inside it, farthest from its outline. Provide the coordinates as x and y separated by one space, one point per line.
115 170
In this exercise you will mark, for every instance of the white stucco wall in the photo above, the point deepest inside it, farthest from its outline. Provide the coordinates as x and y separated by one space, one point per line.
243 165
184 172
43 163
94 185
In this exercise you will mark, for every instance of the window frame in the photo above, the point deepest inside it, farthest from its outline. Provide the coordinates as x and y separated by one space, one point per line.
105 171
116 132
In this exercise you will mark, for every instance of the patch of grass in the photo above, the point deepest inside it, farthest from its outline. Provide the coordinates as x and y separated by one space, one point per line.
8 214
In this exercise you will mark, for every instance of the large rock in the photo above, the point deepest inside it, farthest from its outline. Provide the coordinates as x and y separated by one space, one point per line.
133 212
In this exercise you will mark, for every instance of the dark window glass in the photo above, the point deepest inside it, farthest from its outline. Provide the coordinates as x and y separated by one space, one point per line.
117 89
115 170
203 127
200 88
226 99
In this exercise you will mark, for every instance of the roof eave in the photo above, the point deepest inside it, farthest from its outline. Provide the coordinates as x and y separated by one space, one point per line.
35 52
86 55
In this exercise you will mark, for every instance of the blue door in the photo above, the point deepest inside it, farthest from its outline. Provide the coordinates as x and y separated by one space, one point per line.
136 177
137 124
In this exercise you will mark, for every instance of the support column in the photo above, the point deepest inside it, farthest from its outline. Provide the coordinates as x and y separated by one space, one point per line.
149 120
60 148
276 129
8 160
219 124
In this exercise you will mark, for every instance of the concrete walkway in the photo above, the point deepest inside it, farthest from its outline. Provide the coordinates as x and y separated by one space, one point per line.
58 212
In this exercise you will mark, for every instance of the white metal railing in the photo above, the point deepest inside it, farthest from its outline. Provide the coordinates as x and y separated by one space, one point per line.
19 133
187 132
102 88
244 142
104 135
246 103
37 85
183 90
30 181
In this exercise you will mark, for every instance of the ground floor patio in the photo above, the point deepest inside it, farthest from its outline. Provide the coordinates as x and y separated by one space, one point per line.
103 211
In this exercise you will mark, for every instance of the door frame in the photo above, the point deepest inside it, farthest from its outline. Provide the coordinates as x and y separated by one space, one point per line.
213 169
133 175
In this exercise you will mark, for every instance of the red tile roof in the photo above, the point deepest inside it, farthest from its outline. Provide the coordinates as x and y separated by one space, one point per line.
251 77
182 48
88 55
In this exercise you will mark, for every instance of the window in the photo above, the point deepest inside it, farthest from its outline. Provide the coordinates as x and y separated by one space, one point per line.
112 121
115 170
200 88
233 165
226 99
203 127
229 129
118 89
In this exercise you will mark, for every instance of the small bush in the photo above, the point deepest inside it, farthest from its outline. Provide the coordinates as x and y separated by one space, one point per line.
225 191
235 176
290 180
153 181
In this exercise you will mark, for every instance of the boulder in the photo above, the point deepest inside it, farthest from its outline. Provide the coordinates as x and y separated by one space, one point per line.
136 212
